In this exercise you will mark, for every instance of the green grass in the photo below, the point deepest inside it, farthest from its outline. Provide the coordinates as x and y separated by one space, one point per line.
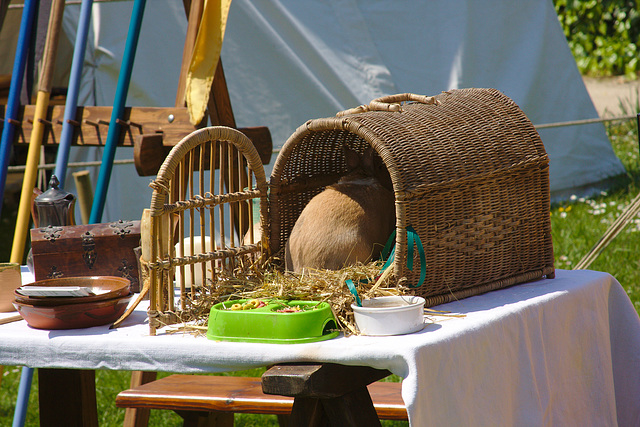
577 225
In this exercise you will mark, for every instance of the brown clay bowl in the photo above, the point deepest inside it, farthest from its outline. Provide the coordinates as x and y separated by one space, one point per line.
74 316
105 287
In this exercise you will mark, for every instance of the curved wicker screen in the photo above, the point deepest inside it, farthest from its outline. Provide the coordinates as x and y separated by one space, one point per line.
201 208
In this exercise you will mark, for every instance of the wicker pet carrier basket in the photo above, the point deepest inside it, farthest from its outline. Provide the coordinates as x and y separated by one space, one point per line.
470 176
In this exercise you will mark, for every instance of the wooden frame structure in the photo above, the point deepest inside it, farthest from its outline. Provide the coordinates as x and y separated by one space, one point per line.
152 131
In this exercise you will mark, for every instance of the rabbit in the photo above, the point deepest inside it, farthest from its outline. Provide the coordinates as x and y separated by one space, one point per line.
348 222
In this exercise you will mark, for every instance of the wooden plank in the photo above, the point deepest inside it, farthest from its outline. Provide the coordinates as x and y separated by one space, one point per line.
93 124
220 111
152 135
194 16
202 393
205 393
150 150
221 114
206 419
352 409
310 412
326 380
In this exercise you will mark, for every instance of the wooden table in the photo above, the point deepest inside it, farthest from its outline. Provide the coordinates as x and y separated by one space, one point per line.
324 393
563 351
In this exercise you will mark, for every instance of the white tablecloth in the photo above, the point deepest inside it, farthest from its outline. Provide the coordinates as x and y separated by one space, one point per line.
559 352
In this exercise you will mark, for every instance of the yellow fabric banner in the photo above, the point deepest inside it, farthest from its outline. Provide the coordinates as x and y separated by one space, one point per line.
205 57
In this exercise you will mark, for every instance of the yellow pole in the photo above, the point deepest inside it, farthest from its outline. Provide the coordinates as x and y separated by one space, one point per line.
33 155
85 194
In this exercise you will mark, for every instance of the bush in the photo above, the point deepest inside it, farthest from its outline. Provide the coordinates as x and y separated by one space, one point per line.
604 35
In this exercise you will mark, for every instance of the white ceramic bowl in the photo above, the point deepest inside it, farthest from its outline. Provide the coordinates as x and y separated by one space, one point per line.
392 315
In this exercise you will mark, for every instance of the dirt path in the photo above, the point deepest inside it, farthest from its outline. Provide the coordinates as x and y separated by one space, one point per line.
613 96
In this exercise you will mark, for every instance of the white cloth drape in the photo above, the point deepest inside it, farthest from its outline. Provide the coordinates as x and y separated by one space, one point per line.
557 352
288 61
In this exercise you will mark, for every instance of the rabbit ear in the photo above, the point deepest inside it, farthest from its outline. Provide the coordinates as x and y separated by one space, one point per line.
381 173
352 157
367 161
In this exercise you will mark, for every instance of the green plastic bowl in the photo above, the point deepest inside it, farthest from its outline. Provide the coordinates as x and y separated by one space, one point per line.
314 322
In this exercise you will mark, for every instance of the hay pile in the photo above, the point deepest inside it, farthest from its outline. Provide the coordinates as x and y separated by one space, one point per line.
313 285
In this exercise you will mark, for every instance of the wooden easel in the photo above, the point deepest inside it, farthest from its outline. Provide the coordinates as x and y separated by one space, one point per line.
151 150
152 131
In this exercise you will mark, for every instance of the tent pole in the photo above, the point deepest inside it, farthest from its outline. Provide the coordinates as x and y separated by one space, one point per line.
116 115
35 143
31 171
22 401
71 104
4 6
13 101
8 131
638 129
194 15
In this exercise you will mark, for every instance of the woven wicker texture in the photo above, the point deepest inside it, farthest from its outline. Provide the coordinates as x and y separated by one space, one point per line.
187 202
470 175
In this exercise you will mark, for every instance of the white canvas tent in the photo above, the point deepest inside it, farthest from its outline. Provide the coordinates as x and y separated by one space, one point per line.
288 61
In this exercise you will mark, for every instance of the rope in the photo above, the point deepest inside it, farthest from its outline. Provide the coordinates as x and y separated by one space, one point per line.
204 257
160 186
51 166
276 151
583 122
68 2
413 238
618 225
208 201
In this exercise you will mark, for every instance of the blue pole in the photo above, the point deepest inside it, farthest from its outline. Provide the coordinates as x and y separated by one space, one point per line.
13 101
118 109
22 401
71 105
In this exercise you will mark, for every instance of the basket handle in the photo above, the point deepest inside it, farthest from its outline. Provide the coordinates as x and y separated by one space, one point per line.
390 103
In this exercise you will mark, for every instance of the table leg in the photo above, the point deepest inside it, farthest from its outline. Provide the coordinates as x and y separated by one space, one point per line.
352 409
308 411
206 419
326 394
67 397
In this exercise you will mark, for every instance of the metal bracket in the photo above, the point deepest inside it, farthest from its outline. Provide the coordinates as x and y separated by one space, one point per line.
126 269
89 254
51 233
122 228
54 273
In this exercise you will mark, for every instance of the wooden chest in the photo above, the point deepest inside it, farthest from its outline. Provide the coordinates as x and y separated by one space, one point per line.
105 249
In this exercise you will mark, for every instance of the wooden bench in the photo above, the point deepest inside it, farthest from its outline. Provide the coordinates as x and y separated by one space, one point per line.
203 400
